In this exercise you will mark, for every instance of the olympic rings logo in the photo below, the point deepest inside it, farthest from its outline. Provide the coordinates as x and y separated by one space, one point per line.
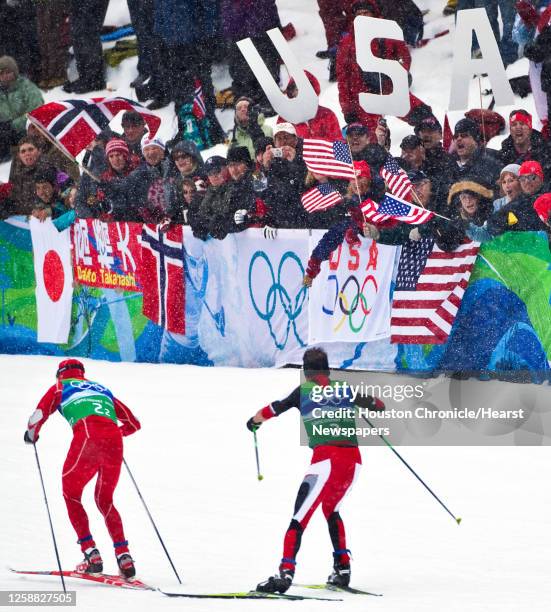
84 385
277 294
349 308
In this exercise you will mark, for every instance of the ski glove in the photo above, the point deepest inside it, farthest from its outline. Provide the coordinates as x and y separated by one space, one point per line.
270 233
27 438
240 216
252 426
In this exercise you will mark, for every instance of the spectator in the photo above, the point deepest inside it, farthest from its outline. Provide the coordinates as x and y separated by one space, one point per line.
525 143
363 148
51 17
121 161
188 160
324 125
542 207
49 203
18 97
51 154
470 201
134 129
247 19
439 163
87 17
249 125
472 162
413 154
243 202
23 173
216 169
510 187
335 15
352 81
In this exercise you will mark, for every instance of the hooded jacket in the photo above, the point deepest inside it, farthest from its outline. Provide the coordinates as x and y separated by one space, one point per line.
17 98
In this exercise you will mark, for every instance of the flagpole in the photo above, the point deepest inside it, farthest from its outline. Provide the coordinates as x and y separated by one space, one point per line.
57 145
481 109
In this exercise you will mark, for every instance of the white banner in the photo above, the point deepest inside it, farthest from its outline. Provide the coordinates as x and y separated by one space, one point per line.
54 280
350 298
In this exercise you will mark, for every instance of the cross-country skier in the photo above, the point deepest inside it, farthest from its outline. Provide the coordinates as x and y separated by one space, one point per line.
335 466
93 412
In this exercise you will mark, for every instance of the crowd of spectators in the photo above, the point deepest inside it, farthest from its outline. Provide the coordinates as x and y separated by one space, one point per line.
478 192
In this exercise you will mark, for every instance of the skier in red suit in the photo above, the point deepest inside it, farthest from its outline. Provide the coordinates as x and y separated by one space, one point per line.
96 448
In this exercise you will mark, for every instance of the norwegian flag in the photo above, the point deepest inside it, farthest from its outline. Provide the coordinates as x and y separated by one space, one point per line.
394 208
321 197
162 277
199 109
328 158
430 284
75 123
396 179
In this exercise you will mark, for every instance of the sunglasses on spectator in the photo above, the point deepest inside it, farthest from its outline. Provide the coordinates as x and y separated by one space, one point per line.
181 156
528 177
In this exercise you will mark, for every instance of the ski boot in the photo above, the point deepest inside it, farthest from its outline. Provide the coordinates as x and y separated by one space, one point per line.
92 563
126 566
340 576
278 583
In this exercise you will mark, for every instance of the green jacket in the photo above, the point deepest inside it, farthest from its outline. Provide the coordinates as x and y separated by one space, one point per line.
246 137
21 97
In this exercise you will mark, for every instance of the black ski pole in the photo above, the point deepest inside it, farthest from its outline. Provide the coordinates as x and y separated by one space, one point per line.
456 519
151 519
50 519
258 474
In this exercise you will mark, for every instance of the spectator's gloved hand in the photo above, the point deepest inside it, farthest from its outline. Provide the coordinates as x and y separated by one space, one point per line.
527 12
270 233
252 425
415 234
307 281
240 216
164 224
27 438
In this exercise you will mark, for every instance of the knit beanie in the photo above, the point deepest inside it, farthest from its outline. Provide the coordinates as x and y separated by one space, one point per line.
8 63
117 145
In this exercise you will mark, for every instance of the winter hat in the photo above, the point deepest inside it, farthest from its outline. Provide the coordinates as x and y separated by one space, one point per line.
215 164
430 123
8 63
542 206
186 147
132 118
531 167
239 154
411 142
511 169
47 175
366 5
361 169
471 187
417 176
152 142
117 145
261 143
288 128
520 115
357 127
70 368
467 126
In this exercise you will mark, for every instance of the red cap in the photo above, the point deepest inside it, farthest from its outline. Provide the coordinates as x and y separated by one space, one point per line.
361 168
70 368
521 116
117 145
542 206
531 167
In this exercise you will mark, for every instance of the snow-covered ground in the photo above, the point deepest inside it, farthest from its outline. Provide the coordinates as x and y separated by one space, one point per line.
194 461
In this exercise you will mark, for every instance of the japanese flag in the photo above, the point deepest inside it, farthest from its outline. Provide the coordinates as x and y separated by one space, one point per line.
54 280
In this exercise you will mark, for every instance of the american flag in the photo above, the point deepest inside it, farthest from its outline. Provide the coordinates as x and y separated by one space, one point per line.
321 197
199 109
328 158
394 208
396 179
162 277
76 123
429 288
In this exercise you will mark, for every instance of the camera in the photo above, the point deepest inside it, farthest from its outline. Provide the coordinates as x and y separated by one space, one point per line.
277 152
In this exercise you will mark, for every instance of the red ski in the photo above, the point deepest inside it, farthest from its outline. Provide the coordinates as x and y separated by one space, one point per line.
425 41
107 579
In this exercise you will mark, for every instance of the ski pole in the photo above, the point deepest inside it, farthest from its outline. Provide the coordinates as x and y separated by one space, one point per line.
258 474
456 519
151 519
49 518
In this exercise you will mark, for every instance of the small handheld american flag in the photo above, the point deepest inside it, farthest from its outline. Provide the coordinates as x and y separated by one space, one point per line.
394 208
328 158
321 197
396 178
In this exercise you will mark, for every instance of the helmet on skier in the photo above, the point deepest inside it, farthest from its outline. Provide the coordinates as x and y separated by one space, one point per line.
315 362
70 368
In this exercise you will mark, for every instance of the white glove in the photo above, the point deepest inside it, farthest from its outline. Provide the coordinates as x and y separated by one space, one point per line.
240 216
415 234
270 233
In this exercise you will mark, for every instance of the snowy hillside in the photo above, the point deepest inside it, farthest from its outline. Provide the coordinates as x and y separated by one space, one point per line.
194 461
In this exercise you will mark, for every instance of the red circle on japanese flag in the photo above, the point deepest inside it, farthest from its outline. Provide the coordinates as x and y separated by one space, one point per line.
54 277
